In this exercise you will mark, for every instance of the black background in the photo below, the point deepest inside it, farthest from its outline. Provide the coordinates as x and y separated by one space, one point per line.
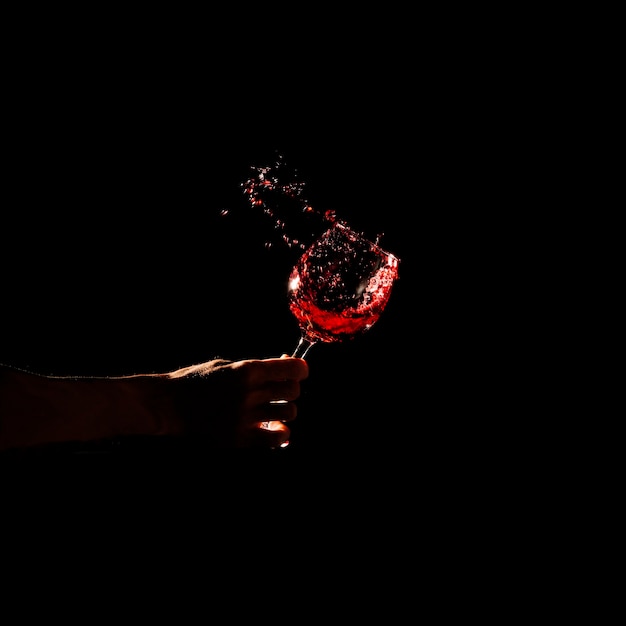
129 246
416 440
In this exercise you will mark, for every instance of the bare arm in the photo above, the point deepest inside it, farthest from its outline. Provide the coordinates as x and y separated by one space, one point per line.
37 410
224 402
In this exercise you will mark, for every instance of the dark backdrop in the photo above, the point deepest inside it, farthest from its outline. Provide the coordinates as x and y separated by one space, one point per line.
129 246
115 259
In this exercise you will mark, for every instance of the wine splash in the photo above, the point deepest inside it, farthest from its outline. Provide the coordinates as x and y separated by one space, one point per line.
278 192
341 281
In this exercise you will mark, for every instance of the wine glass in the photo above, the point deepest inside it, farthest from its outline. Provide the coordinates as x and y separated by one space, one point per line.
339 287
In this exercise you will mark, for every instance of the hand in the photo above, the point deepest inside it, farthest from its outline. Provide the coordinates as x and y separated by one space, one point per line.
239 404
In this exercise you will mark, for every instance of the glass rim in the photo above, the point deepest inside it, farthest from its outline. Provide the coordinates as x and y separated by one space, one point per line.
363 237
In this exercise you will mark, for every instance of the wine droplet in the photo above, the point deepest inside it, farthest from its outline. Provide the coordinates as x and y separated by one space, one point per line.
278 192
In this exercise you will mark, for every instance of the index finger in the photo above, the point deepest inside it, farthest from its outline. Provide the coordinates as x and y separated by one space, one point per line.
276 369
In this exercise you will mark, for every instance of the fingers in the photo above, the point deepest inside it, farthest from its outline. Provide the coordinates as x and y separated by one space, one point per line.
278 432
273 411
285 390
260 371
267 412
237 398
269 435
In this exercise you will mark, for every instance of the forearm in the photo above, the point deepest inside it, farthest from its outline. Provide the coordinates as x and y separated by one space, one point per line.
38 410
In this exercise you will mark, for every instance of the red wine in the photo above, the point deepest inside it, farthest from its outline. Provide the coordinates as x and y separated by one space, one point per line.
340 285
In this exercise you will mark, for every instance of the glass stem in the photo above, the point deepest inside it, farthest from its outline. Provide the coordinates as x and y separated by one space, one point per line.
304 345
